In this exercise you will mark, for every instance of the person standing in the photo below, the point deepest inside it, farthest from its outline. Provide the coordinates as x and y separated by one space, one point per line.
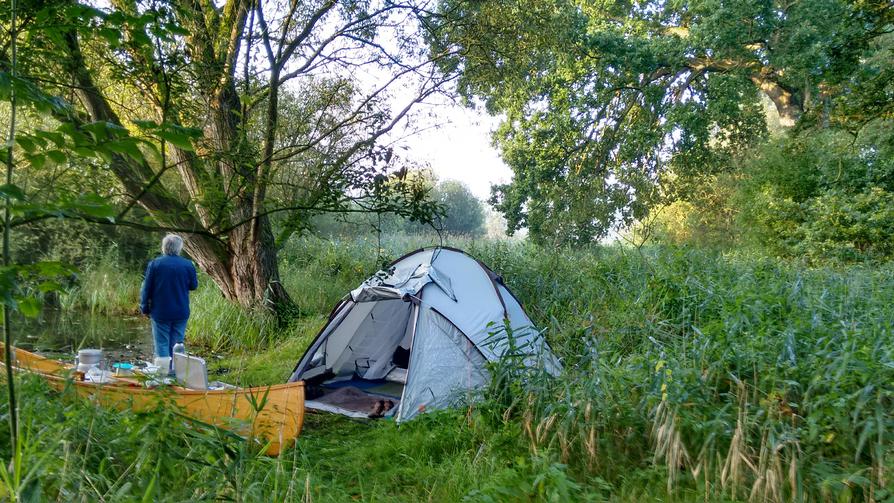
165 296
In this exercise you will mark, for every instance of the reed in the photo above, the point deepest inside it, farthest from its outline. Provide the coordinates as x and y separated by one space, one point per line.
773 374
104 288
688 375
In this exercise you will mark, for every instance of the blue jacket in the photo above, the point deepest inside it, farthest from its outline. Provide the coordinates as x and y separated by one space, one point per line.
166 286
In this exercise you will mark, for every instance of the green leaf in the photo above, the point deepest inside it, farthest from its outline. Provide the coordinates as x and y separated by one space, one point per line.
112 36
146 125
57 156
37 161
29 93
176 138
52 268
68 129
94 206
29 306
26 143
98 130
126 147
84 151
140 38
103 153
57 138
12 191
49 286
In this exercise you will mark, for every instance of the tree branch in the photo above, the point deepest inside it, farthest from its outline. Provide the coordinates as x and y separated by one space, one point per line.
134 175
292 46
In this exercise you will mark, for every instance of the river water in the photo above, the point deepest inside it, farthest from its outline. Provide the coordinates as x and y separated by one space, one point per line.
60 334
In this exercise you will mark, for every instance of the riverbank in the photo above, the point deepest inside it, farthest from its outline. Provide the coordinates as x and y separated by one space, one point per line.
710 376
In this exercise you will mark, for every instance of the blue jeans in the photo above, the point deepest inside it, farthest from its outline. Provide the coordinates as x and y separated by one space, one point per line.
166 334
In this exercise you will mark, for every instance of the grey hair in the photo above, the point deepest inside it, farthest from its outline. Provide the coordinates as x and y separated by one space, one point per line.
172 244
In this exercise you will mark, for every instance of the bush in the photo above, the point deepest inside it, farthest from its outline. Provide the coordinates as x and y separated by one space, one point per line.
824 197
849 227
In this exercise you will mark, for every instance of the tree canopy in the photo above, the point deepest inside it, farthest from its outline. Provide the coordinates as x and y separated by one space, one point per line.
226 121
457 211
602 100
463 212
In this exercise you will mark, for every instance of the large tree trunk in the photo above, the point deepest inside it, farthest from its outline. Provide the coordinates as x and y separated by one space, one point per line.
229 239
245 269
765 78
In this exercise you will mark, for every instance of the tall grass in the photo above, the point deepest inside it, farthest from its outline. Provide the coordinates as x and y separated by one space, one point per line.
104 288
688 375
739 377
73 451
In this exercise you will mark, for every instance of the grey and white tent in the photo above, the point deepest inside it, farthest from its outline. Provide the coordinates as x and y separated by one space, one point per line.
440 306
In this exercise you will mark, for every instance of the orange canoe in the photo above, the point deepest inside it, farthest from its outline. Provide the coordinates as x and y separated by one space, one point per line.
272 414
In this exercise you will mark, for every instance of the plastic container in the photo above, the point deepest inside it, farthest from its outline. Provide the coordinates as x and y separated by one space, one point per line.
163 363
123 369
95 375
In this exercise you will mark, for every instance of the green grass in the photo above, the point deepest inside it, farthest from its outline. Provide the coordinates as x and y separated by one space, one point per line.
271 365
689 375
104 288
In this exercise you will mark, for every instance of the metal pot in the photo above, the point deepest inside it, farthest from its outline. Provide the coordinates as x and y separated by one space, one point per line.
87 359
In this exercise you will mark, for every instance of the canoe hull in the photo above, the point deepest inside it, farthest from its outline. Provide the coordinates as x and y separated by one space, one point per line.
272 414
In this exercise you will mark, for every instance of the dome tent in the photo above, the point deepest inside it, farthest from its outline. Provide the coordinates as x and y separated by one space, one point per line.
443 308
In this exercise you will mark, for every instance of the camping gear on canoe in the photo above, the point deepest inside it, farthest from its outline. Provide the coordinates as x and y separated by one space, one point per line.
163 363
123 369
420 332
278 422
88 358
191 371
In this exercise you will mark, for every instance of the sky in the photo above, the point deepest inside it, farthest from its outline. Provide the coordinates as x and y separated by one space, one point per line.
456 144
